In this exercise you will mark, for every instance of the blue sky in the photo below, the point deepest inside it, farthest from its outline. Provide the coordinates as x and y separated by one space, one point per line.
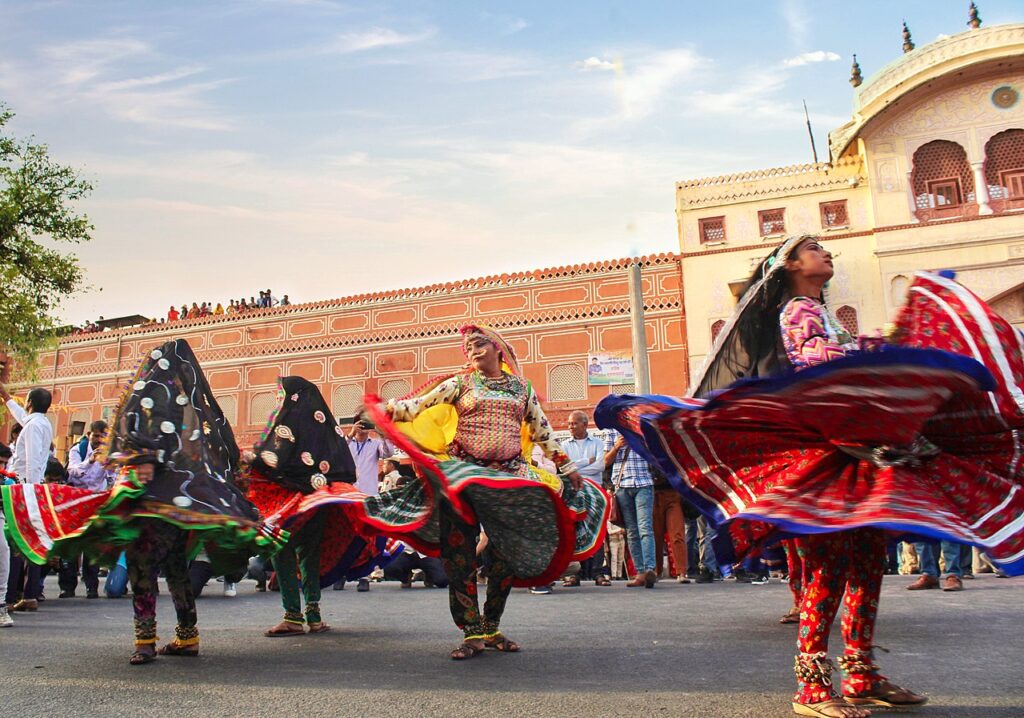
328 148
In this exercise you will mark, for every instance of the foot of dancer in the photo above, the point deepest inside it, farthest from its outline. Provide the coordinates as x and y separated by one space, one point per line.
816 696
287 627
864 685
470 648
144 653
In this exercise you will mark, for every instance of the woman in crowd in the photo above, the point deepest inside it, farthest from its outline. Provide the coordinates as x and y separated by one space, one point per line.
835 441
473 424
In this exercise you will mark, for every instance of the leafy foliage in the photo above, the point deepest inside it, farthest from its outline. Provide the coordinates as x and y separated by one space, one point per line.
36 212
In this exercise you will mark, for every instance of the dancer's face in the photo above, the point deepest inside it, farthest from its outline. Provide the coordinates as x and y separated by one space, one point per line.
482 353
811 261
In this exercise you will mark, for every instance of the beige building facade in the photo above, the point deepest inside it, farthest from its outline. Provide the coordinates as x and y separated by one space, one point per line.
928 174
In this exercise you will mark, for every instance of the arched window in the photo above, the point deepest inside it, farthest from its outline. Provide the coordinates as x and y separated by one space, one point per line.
346 399
394 389
847 316
261 406
567 382
942 179
229 405
899 286
1004 169
716 328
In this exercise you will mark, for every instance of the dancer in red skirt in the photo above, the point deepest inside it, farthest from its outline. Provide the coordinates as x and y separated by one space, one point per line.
830 439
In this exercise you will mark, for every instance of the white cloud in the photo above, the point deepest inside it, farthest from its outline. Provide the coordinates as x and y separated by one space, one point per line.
641 88
809 57
377 37
594 63
796 17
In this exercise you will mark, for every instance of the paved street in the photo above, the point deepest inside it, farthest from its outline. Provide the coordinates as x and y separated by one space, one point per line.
673 651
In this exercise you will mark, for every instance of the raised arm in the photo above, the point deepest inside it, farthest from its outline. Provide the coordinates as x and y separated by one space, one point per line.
408 409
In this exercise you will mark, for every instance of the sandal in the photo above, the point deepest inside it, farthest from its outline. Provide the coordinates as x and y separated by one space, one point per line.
319 627
832 708
888 695
571 581
502 644
142 655
285 628
602 581
792 617
175 649
466 651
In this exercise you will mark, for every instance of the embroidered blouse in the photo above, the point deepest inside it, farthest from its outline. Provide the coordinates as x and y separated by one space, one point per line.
491 414
811 334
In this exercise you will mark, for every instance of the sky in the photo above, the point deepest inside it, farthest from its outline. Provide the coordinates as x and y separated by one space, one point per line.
325 148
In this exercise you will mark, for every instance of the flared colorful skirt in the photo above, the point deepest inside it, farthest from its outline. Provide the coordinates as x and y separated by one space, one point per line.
534 519
921 437
352 544
51 520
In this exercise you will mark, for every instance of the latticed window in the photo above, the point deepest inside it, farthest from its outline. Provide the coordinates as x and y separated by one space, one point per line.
346 399
833 214
394 389
229 405
1004 165
716 329
772 221
567 382
942 176
622 389
261 406
847 316
712 229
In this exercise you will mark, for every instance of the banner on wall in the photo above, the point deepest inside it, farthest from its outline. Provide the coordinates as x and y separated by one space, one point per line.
609 368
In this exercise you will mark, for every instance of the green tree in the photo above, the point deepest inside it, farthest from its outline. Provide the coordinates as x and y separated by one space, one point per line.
36 215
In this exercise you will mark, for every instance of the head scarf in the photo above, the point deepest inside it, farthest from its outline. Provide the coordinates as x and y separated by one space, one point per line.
736 353
169 416
302 447
507 353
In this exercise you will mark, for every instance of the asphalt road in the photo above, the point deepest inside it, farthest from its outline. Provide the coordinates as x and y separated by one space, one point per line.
710 650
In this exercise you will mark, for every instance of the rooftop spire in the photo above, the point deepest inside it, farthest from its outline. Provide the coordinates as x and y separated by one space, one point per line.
908 44
855 77
973 18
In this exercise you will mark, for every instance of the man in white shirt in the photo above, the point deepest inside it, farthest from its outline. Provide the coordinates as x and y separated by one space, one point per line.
33 446
29 464
587 452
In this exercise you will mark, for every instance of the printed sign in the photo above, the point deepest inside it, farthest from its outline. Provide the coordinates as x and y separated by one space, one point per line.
610 368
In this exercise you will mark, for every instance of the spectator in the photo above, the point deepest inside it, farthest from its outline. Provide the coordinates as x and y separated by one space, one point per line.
285 301
172 314
403 566
219 310
392 478
634 490
927 554
5 552
31 453
270 299
366 453
232 309
668 518
253 304
587 453
85 471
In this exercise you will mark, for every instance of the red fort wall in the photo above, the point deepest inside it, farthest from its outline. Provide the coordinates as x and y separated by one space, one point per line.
391 342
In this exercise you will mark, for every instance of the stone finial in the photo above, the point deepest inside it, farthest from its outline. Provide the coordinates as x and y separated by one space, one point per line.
855 77
973 18
908 43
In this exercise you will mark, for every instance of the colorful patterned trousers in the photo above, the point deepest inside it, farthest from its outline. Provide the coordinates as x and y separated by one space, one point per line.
795 568
458 552
847 567
301 557
161 544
